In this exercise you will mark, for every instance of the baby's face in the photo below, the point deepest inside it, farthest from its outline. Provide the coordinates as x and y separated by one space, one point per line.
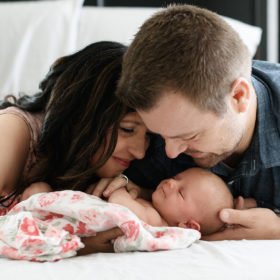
178 199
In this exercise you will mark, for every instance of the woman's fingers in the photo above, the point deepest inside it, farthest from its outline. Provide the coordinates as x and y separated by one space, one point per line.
117 183
101 186
106 186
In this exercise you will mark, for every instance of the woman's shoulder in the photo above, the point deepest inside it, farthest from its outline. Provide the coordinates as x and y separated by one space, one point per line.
19 112
33 120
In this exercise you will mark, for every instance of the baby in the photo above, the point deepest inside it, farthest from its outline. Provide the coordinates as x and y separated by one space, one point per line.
192 199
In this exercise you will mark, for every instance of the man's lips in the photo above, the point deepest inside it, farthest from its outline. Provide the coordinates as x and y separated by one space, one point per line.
123 162
195 154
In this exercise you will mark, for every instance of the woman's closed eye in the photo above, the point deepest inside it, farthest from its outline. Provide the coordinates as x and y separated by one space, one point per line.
127 130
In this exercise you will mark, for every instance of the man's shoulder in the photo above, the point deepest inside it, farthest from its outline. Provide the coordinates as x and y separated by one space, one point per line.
266 71
265 65
267 76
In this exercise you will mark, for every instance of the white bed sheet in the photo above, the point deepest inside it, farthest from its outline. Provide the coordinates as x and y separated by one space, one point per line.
221 260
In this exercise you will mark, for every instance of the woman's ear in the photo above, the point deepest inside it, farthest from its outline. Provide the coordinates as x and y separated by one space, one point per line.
240 95
190 224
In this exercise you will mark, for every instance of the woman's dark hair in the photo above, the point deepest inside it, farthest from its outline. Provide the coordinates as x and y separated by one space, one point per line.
80 107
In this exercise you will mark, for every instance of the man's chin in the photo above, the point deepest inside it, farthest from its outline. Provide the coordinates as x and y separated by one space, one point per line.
207 162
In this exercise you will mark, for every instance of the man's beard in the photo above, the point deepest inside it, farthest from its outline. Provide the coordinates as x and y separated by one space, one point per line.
212 159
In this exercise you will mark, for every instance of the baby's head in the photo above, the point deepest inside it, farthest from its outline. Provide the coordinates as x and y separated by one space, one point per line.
193 199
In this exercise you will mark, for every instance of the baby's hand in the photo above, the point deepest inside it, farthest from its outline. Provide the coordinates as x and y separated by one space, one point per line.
119 195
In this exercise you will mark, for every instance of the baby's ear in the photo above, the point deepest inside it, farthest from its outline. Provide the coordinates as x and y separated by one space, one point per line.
190 224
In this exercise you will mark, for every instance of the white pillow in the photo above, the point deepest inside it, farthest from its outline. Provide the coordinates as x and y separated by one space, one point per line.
115 24
121 24
33 35
250 34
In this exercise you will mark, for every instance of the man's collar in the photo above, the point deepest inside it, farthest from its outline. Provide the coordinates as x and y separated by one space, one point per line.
264 149
267 126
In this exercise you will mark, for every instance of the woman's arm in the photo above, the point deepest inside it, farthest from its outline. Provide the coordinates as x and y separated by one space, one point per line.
14 147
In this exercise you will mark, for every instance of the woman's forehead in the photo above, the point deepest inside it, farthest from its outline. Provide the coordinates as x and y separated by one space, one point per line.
132 117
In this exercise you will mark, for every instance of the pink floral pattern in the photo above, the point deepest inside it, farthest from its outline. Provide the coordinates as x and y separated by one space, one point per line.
48 199
48 227
29 227
131 229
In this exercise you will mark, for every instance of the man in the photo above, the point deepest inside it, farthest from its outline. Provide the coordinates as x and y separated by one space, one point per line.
188 75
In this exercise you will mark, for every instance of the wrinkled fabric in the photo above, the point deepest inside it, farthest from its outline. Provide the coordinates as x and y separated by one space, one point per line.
48 227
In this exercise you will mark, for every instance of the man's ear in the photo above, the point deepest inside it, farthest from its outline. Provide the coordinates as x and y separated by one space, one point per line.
240 94
190 224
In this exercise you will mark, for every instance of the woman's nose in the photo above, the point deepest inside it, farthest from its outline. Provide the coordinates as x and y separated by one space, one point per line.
138 147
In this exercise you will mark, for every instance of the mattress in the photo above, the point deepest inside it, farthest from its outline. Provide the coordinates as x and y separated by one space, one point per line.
202 260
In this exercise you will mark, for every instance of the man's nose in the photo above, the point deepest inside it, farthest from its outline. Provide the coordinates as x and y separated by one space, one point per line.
174 147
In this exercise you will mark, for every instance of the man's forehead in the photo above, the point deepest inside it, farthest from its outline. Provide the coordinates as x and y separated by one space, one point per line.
173 119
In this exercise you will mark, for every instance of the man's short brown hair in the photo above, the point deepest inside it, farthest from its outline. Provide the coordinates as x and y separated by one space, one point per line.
187 49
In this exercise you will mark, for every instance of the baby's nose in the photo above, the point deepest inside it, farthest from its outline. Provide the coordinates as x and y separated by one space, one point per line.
170 185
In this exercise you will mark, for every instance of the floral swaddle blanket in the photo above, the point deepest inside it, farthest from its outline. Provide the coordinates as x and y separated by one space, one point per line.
48 227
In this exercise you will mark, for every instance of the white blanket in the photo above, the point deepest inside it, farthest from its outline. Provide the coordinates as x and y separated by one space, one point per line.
48 227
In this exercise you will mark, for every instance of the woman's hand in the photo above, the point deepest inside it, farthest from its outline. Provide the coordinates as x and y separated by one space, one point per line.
101 242
106 186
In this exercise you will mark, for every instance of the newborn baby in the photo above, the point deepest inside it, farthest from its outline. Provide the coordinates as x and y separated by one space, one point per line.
191 199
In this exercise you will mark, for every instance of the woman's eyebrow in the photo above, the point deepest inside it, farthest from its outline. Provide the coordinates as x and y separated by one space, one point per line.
137 123
131 121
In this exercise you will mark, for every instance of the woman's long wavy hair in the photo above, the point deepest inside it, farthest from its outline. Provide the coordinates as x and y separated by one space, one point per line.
82 116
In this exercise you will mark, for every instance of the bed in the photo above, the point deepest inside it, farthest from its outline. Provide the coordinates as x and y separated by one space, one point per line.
230 260
33 35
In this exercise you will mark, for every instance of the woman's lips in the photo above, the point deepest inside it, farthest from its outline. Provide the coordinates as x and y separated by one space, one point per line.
123 162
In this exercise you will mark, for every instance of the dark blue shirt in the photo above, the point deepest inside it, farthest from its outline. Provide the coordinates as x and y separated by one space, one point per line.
258 173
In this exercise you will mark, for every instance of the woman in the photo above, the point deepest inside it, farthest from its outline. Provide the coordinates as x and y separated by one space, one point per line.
73 132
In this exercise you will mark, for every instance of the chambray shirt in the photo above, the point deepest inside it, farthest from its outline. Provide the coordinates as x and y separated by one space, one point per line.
258 173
